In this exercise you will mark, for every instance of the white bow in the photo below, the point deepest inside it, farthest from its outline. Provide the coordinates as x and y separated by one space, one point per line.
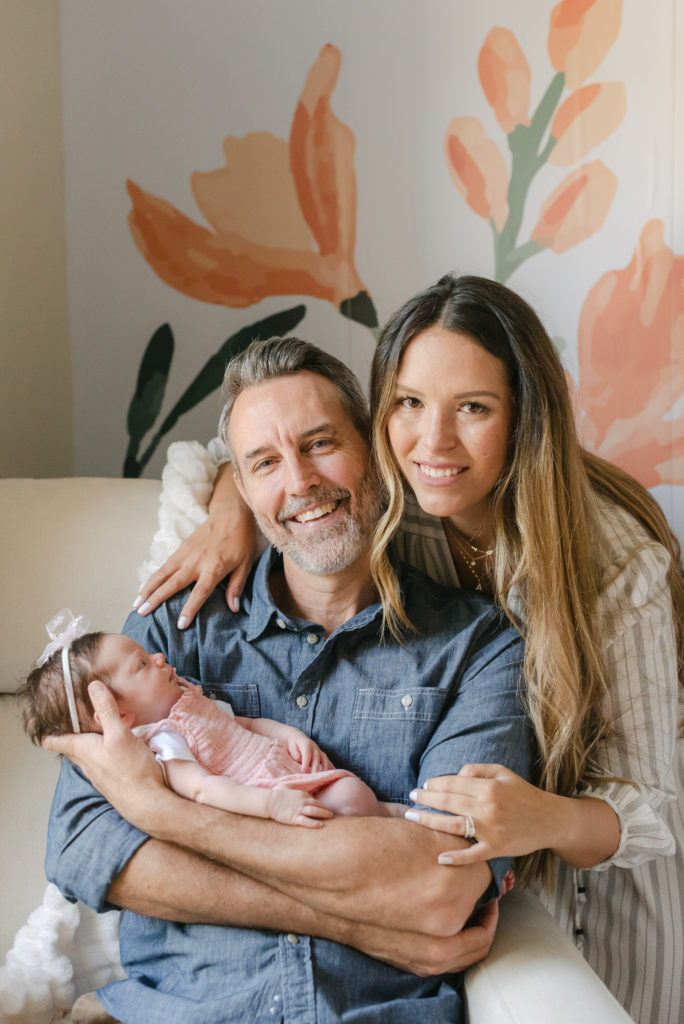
63 629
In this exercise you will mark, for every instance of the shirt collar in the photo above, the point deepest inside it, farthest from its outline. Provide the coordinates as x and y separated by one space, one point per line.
262 610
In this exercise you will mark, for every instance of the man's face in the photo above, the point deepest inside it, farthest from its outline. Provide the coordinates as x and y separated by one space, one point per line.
304 471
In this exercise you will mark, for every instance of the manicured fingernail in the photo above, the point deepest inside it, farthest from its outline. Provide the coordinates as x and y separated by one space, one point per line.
425 785
413 795
444 858
237 604
182 622
144 608
412 816
137 601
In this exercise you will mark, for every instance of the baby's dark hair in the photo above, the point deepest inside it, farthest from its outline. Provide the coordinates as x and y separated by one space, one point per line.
46 711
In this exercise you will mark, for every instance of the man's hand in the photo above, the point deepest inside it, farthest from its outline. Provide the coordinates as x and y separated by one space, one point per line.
427 955
117 763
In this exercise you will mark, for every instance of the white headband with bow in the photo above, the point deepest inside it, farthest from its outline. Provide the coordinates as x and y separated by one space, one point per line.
63 629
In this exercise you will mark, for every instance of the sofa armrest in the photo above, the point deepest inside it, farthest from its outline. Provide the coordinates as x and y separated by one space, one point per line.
534 974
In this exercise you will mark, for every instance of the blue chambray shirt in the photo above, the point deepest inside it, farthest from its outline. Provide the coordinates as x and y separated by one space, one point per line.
396 715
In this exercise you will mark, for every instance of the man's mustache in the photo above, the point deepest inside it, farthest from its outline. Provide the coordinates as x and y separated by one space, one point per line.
293 506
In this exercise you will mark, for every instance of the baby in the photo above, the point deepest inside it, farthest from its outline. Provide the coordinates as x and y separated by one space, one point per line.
251 766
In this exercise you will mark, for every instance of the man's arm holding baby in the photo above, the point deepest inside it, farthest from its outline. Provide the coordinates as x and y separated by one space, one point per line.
379 871
165 881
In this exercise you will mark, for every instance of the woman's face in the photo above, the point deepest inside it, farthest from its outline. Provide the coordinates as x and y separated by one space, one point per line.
450 426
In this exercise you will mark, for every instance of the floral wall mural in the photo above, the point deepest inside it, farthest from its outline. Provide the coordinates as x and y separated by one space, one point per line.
283 220
556 132
520 142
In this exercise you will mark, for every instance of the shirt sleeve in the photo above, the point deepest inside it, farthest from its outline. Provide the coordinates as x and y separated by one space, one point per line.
485 723
89 843
636 755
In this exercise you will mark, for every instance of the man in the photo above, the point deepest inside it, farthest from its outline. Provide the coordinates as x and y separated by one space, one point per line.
306 648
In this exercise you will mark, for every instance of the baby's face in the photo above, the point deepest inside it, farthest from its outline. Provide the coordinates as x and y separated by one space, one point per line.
144 686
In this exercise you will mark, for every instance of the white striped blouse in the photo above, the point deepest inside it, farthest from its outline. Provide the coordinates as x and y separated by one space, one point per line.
627 914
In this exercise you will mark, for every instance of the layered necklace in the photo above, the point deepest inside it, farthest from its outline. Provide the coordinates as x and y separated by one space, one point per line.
469 552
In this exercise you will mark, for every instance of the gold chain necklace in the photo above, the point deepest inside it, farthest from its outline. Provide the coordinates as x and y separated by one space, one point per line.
470 552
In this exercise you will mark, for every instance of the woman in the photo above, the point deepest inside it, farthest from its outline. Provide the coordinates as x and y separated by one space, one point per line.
472 411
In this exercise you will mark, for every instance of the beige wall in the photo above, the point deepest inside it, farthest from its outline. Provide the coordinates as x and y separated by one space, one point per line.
35 366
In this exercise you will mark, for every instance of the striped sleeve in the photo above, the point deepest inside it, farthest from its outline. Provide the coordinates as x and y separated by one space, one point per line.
636 620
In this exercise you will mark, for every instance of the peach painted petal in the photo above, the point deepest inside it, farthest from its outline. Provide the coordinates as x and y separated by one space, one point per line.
254 194
631 344
283 215
322 159
226 269
477 169
505 78
580 34
585 119
577 208
650 451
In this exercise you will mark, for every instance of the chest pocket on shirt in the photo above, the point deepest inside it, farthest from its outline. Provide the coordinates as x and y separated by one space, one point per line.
390 730
243 698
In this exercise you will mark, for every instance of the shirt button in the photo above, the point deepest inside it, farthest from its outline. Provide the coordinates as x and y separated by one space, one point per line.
292 939
213 696
280 624
407 700
312 638
302 702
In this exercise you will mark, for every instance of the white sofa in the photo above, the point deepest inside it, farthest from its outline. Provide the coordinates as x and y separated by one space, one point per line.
77 543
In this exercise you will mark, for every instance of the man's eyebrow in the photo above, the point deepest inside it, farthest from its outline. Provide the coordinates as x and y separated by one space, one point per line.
252 454
320 428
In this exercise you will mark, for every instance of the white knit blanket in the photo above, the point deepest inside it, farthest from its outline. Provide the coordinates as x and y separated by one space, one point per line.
65 949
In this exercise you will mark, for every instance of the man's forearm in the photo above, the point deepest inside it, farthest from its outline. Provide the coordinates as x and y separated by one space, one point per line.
376 870
168 882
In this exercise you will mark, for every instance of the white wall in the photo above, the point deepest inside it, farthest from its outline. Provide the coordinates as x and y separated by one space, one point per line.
35 358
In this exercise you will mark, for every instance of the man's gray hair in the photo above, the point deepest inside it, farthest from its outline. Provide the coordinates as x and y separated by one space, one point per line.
284 357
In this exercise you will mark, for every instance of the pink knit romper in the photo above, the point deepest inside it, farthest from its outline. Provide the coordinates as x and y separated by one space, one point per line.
224 747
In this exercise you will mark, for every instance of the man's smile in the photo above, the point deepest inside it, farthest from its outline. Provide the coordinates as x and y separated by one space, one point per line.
316 513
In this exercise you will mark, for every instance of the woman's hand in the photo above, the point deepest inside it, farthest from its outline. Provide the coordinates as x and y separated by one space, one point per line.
510 816
224 544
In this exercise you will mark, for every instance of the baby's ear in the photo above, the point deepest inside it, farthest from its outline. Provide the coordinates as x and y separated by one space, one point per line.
127 717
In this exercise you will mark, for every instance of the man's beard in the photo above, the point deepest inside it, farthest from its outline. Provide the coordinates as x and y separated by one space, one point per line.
330 549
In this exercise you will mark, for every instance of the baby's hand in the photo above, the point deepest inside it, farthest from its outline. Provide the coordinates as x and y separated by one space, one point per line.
292 807
303 749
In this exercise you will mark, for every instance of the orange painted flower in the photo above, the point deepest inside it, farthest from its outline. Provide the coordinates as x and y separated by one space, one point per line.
585 119
477 168
282 215
631 363
577 208
580 34
505 78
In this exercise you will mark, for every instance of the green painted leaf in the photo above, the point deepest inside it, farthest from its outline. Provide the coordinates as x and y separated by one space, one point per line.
210 377
361 309
151 385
